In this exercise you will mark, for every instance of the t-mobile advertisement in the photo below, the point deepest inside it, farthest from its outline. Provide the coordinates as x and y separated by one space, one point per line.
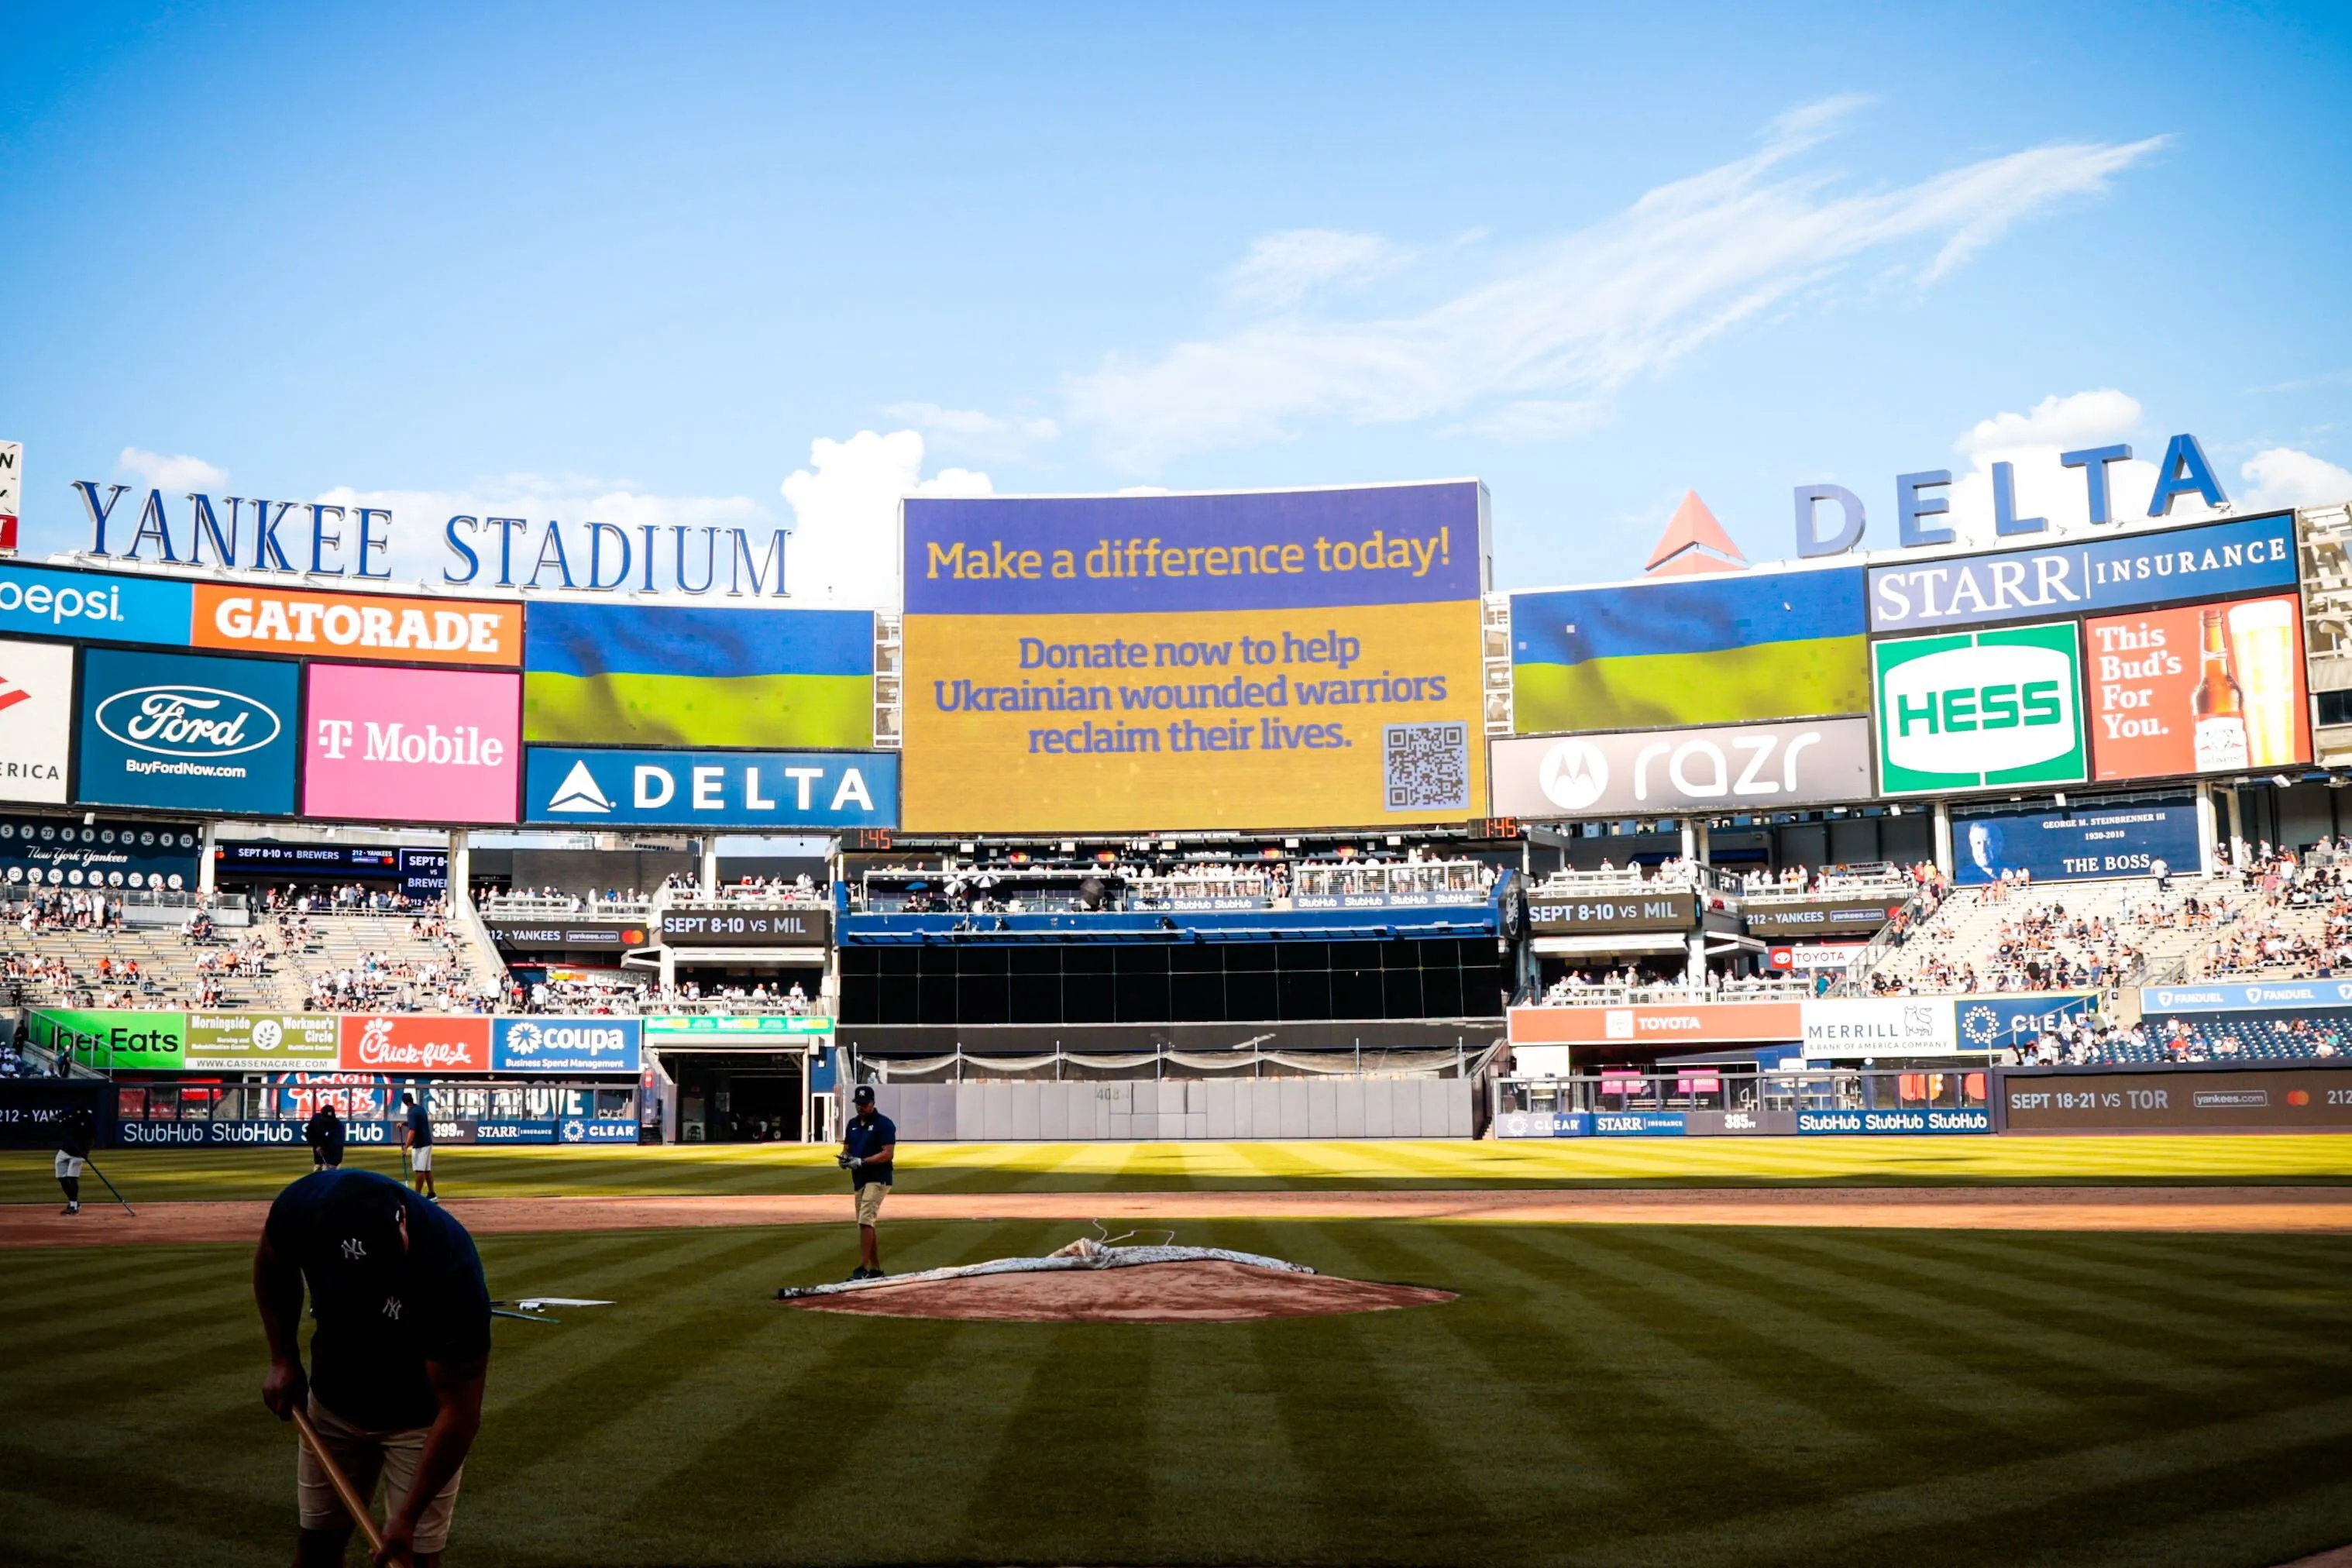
412 745
2138 838
2200 688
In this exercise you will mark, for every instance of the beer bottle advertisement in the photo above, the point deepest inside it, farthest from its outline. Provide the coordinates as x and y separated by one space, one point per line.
2199 689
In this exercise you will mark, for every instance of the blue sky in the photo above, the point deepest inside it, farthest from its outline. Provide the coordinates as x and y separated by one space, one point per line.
668 265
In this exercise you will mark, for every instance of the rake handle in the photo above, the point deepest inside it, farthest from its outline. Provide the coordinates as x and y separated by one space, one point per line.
353 1504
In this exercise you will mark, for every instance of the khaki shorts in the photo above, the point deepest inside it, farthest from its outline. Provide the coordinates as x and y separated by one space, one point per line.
68 1165
421 1160
869 1202
364 1456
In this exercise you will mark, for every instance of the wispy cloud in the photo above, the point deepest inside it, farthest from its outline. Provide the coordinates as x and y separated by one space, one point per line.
179 473
1535 347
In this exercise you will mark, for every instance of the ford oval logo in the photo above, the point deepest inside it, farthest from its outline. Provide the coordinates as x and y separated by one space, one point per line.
188 721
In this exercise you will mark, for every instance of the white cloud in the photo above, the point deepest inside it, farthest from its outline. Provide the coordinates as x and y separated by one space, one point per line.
844 549
2283 476
975 433
179 473
2032 443
1560 325
418 517
1282 269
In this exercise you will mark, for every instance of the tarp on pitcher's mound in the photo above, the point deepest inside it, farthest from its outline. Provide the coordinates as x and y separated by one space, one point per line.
1091 1282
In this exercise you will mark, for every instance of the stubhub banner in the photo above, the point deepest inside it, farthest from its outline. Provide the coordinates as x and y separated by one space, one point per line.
760 791
185 732
564 1044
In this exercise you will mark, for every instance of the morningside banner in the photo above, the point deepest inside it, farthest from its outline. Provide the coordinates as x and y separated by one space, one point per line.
1294 658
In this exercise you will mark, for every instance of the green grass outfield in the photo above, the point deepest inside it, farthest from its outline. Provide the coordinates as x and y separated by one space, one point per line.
160 1174
1600 1394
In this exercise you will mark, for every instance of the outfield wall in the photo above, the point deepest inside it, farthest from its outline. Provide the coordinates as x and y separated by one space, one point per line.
1203 1108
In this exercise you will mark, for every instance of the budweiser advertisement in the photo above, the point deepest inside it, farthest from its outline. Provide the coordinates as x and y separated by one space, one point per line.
415 1043
2201 688
1660 1023
412 745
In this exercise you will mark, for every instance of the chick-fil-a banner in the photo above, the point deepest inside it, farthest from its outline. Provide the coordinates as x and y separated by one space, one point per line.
412 745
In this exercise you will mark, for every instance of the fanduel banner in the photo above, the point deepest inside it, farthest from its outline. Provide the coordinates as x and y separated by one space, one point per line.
2211 560
1979 710
2084 844
566 1045
755 790
1755 766
2268 996
35 719
412 745
184 732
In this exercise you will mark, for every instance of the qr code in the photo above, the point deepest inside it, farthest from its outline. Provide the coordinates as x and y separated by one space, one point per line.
1428 767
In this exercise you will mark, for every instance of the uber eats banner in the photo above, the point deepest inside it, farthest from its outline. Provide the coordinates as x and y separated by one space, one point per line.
1300 659
1979 710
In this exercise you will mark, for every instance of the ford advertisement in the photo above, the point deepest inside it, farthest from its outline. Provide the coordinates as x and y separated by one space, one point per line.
189 733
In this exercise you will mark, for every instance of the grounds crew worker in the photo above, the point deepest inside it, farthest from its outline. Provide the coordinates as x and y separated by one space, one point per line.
417 1137
866 1146
324 1133
76 1128
397 1363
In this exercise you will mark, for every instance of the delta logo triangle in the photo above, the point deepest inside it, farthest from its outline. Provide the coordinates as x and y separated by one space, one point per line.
1694 543
578 793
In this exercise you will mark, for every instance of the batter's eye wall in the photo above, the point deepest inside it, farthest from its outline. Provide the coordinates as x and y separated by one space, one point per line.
1209 982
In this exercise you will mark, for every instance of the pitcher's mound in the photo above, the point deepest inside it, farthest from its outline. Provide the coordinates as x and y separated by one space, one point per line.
1091 1281
1186 1292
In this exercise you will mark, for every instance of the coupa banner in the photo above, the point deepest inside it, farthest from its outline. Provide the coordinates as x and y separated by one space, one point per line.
631 674
753 791
564 1044
1714 651
184 732
1297 659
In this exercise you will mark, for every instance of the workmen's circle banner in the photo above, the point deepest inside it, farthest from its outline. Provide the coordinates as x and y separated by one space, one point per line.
1271 659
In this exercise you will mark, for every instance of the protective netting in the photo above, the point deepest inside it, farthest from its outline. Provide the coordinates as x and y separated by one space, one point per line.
1082 1254
1371 1062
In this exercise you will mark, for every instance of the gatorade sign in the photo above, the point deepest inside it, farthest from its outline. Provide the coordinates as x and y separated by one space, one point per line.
1979 710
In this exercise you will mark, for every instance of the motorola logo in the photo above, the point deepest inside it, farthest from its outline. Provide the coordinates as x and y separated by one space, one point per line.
1574 774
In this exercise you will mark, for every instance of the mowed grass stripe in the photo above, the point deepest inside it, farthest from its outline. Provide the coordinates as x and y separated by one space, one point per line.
184 1175
1070 1467
1971 1312
2258 1512
2001 1511
2055 1329
1389 1483
1728 1418
1842 1323
2074 1303
1484 1344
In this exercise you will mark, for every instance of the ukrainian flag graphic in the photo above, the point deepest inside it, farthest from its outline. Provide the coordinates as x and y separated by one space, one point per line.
1690 650
627 675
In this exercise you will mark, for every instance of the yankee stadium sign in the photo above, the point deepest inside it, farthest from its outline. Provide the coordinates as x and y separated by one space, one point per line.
316 539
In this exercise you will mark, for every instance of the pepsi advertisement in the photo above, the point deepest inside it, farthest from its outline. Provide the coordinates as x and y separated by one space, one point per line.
2085 843
189 733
